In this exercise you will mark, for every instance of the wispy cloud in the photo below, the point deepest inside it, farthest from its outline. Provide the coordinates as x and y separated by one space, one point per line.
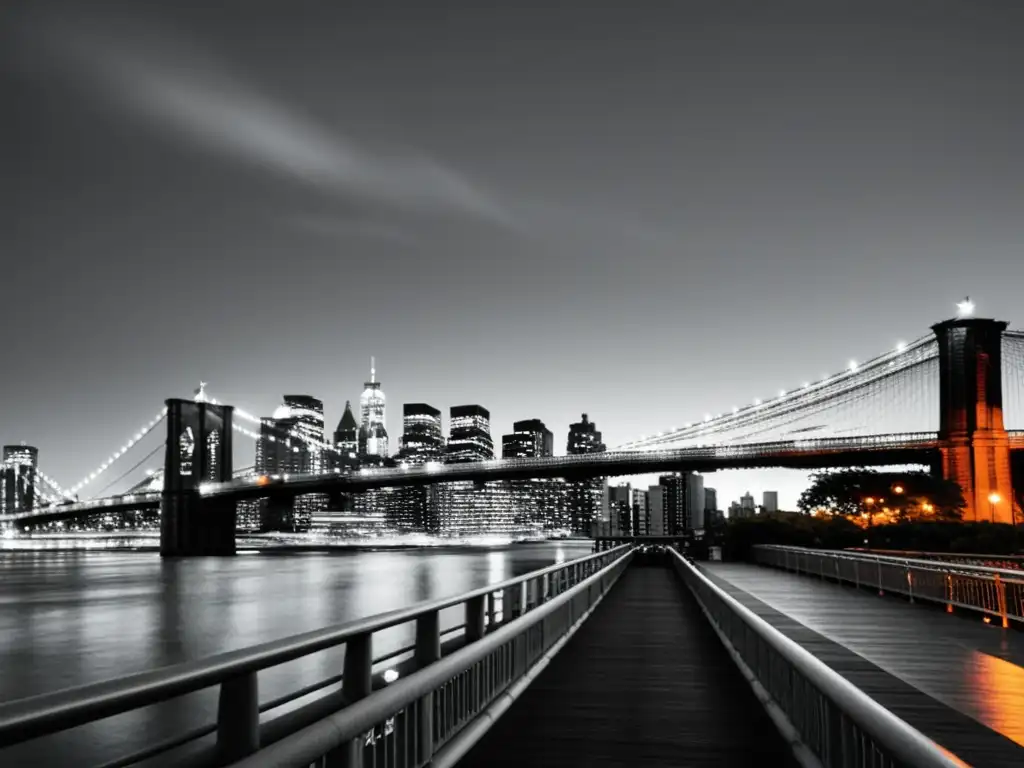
183 90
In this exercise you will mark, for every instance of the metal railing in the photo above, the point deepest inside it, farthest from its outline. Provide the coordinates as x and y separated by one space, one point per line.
995 592
508 628
830 721
1004 562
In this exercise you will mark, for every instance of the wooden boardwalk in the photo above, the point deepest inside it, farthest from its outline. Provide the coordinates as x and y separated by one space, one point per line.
956 679
644 682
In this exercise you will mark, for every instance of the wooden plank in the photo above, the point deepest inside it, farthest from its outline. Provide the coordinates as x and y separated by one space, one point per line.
644 682
939 673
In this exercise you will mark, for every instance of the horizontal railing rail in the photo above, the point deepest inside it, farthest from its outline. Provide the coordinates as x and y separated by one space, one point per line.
827 715
238 729
1009 562
996 592
434 715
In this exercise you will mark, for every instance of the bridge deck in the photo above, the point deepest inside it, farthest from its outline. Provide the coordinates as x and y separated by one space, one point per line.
956 679
644 682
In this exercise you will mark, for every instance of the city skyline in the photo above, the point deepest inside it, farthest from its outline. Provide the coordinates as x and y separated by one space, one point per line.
687 179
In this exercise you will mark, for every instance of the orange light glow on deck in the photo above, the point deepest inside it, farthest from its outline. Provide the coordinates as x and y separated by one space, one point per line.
262 480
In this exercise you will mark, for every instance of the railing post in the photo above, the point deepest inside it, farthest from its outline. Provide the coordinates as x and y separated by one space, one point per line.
238 717
475 618
356 684
1001 600
512 602
428 650
910 582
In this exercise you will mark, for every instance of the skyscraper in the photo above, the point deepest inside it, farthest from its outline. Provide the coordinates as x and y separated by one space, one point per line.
770 501
465 508
18 475
640 503
528 438
416 509
346 436
308 414
620 510
683 502
422 436
539 502
373 435
470 438
277 453
585 497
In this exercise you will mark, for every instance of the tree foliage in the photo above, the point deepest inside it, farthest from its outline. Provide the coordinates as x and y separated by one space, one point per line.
902 495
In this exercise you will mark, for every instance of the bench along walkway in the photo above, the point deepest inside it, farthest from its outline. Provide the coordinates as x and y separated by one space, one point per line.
644 682
955 679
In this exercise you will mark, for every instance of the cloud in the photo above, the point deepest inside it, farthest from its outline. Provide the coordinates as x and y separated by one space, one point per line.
181 89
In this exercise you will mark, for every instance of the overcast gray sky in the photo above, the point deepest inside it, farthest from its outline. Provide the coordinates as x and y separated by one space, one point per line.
642 210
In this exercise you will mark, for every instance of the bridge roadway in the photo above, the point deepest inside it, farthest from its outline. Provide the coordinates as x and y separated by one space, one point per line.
647 673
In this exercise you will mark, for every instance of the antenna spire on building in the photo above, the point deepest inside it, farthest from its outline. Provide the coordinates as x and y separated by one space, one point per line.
373 368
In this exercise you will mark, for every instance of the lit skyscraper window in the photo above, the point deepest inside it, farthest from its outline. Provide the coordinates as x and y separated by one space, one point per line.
373 435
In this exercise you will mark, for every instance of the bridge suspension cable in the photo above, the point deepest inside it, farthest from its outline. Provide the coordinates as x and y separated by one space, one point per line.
131 442
901 382
1013 379
54 485
134 467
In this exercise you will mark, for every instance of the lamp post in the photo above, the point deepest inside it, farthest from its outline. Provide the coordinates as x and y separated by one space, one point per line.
993 499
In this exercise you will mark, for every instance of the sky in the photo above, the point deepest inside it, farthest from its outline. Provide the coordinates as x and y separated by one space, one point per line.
643 211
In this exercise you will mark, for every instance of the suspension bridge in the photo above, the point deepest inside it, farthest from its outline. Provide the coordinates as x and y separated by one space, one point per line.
952 401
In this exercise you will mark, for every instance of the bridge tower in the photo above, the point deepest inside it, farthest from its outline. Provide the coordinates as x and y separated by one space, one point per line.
198 451
974 446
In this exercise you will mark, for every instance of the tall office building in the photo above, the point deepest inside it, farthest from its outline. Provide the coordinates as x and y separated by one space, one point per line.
373 435
470 434
346 436
417 508
620 510
710 500
656 517
747 504
277 453
683 502
770 501
422 436
528 438
467 509
18 477
539 502
308 414
640 505
585 497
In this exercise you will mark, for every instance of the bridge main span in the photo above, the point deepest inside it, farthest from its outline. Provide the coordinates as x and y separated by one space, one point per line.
972 448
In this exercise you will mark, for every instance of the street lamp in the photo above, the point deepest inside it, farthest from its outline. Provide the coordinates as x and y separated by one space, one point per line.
993 499
897 489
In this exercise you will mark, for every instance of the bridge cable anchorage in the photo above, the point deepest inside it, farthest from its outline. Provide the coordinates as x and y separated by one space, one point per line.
143 431
801 413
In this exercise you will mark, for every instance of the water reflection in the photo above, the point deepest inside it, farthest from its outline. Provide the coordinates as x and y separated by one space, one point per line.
70 618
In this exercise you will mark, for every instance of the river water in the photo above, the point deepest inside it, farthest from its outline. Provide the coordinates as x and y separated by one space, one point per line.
73 617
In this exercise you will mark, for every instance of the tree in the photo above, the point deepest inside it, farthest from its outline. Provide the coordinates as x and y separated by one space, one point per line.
897 496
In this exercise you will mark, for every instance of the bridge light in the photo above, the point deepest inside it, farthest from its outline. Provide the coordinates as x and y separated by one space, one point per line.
897 489
782 393
869 501
390 675
205 488
853 365
735 409
707 417
758 401
994 498
901 346
965 308
262 480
